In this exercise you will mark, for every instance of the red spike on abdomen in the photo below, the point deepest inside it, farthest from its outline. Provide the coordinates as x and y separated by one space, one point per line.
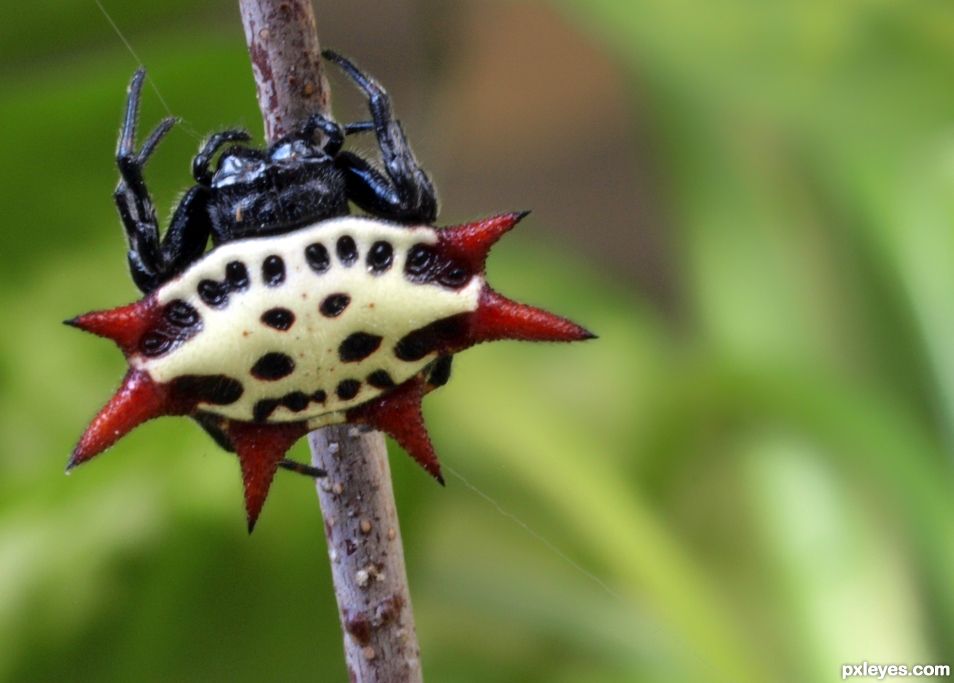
260 447
398 413
497 317
138 399
124 325
471 242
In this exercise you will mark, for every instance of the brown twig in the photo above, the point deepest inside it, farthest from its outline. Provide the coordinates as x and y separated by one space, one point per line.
357 500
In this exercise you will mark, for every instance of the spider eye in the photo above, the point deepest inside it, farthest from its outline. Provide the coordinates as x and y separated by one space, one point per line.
419 259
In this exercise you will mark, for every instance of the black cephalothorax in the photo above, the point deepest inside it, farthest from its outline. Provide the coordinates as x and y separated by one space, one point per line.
296 181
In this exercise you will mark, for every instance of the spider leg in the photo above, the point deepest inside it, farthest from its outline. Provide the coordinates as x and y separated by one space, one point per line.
403 192
131 196
200 163
148 259
334 133
302 468
188 233
358 127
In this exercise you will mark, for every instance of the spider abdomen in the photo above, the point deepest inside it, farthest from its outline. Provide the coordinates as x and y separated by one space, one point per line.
313 325
347 320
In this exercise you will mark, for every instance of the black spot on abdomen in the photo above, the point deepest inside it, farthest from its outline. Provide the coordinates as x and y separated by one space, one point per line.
380 257
273 270
347 389
358 346
219 390
279 318
236 275
296 401
213 293
181 314
418 263
263 409
156 343
179 322
434 337
380 379
439 371
347 250
273 366
318 258
334 305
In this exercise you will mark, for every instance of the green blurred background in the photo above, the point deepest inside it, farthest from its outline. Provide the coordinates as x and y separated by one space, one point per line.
752 206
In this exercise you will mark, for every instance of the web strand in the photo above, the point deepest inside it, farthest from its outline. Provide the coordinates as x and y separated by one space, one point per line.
536 535
152 84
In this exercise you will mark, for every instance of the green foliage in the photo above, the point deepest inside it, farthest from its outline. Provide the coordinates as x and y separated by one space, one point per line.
761 490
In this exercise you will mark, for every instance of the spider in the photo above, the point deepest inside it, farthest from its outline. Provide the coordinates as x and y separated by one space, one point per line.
300 316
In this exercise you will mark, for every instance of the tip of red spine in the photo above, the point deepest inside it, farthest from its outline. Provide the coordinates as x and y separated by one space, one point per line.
259 449
399 414
137 400
498 317
124 325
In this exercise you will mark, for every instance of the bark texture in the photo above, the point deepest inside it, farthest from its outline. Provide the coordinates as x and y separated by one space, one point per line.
357 500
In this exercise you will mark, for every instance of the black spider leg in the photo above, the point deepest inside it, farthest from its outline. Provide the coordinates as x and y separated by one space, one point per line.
151 263
358 127
334 133
200 163
302 468
404 193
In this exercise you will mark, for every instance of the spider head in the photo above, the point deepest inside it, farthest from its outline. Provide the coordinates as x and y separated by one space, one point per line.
255 193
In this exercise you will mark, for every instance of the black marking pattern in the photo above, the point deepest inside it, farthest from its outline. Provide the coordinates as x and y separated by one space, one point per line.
179 322
181 314
380 257
437 336
347 250
317 257
347 389
334 305
358 346
453 275
273 270
156 343
236 275
296 401
213 293
278 318
380 379
273 366
219 390
438 372
263 409
424 266
418 262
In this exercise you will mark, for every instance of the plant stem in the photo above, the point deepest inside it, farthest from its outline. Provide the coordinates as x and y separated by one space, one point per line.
357 500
